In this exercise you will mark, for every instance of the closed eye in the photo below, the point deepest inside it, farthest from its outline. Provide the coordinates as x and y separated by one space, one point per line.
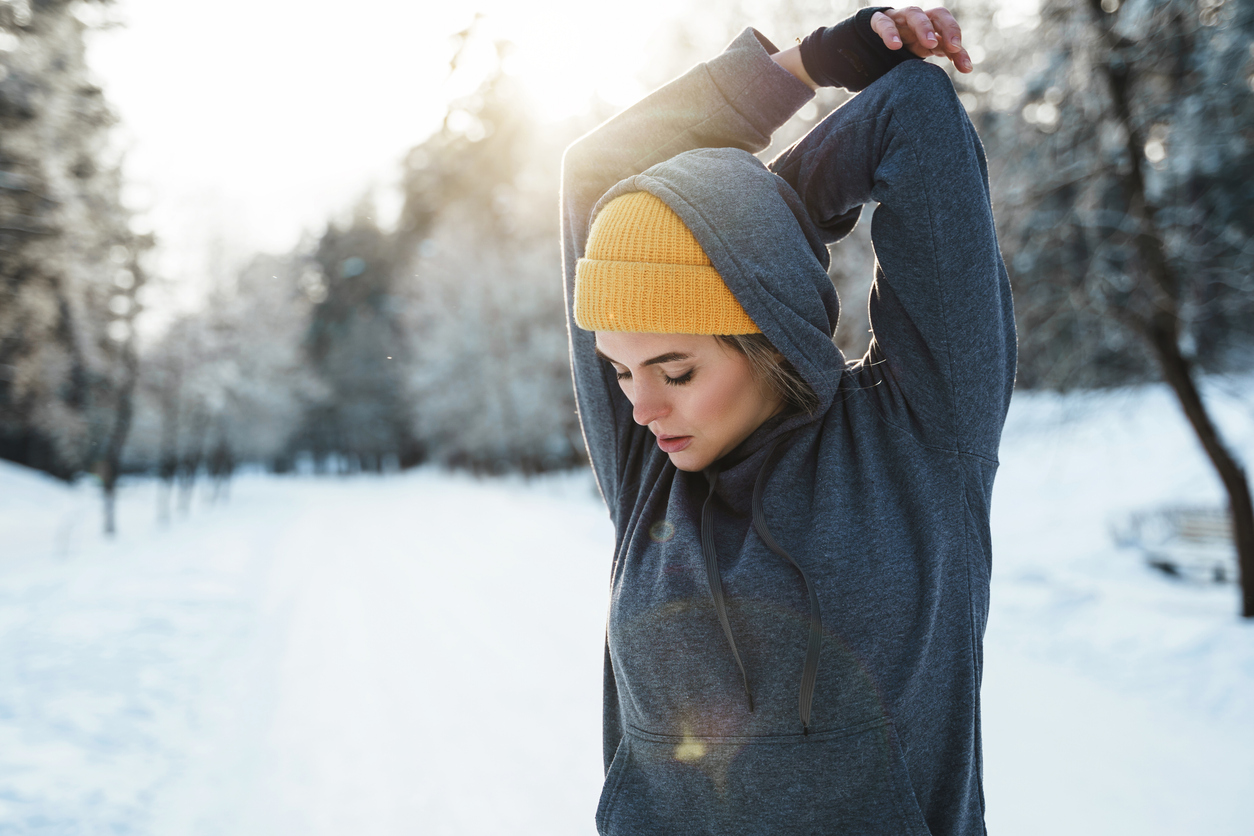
670 381
681 380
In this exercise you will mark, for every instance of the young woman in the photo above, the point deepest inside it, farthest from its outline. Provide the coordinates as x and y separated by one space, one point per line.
800 582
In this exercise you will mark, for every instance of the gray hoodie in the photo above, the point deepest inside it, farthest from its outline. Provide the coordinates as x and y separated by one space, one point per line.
878 503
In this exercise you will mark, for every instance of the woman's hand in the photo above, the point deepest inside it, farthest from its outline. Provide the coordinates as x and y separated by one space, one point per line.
934 32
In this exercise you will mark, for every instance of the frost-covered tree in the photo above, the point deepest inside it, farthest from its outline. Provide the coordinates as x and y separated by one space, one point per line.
1131 217
491 379
229 382
70 266
357 346
477 239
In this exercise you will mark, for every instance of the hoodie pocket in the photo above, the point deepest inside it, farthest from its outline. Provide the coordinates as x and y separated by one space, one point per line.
609 791
852 781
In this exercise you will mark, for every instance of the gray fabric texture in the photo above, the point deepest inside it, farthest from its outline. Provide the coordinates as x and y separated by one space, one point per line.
882 495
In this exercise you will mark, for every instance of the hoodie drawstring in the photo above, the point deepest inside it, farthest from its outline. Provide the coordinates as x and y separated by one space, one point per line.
716 580
809 674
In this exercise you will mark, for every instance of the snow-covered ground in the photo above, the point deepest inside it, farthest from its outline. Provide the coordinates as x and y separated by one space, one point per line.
422 653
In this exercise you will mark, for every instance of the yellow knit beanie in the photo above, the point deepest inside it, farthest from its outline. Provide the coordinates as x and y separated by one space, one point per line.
644 271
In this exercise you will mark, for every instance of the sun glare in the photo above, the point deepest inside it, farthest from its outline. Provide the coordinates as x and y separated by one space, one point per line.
254 133
578 50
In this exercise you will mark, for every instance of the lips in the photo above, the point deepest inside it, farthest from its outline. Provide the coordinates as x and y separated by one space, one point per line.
673 443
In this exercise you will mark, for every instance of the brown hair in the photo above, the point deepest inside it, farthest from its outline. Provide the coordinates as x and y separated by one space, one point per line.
772 367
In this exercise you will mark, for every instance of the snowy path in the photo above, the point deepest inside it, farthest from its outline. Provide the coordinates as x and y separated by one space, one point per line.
414 689
365 656
421 654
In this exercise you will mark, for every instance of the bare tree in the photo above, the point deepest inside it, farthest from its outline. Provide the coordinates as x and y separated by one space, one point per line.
127 280
1124 208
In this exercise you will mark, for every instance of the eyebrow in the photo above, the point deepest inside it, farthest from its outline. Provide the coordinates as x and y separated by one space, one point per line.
669 357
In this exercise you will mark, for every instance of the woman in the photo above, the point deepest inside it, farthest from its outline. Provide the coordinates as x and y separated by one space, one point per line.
800 583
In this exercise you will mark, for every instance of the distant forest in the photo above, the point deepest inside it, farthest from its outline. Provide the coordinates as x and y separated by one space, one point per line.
1121 144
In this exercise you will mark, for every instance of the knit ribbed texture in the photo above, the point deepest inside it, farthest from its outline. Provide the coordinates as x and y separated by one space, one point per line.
644 271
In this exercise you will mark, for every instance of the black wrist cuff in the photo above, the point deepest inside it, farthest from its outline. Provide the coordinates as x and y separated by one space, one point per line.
850 54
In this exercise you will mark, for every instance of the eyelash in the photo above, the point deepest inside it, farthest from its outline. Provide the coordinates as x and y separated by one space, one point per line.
670 381
681 380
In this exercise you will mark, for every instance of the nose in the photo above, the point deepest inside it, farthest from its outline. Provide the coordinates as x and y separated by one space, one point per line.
649 403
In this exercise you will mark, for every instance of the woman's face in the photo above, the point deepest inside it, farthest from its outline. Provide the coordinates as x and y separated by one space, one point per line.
699 397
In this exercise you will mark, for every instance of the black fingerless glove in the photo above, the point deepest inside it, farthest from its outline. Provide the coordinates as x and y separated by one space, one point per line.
850 54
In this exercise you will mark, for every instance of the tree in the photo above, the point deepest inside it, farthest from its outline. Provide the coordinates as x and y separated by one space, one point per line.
127 281
358 347
490 376
1131 205
228 382
69 261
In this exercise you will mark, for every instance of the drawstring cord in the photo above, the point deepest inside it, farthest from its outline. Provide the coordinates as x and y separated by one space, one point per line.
716 581
810 671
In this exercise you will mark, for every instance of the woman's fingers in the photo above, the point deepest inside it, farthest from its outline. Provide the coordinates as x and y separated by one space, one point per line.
915 27
950 39
934 32
883 26
962 61
947 28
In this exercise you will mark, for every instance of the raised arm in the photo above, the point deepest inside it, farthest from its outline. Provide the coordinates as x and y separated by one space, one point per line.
737 100
942 359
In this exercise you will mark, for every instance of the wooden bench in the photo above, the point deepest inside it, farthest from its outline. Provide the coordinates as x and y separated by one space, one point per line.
1190 543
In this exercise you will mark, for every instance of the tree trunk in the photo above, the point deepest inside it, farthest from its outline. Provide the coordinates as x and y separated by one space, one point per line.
112 465
1178 373
1157 317
108 487
171 382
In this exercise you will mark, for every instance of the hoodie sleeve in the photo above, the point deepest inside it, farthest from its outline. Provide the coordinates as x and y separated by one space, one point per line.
942 357
737 99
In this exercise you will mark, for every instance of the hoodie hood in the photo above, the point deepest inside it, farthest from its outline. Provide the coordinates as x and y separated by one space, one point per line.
757 234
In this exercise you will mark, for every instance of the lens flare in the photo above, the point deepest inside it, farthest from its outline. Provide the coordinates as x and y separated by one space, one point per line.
661 531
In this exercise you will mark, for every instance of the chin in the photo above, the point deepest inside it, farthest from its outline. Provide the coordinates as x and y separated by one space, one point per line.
685 460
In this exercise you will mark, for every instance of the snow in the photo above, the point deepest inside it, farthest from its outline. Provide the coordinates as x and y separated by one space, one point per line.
1115 699
422 653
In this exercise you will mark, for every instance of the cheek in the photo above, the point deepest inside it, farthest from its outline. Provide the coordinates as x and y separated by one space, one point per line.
718 403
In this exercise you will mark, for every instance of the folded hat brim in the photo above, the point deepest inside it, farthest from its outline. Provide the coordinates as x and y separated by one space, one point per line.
656 298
